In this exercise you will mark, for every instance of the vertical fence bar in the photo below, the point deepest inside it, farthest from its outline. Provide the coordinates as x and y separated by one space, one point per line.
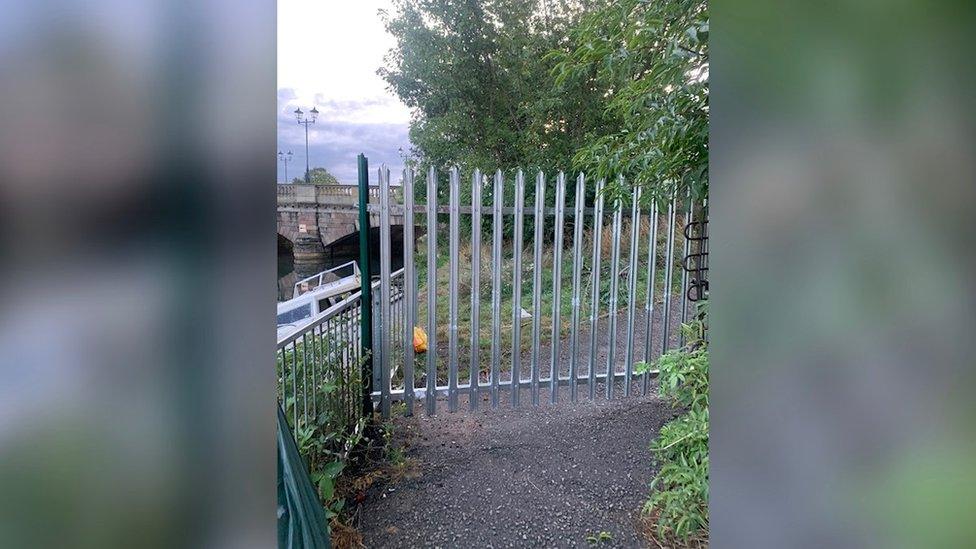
689 218
338 365
517 289
280 374
540 202
632 286
294 383
614 288
376 308
284 377
325 365
386 321
595 288
651 284
322 366
353 349
354 352
305 377
340 362
310 353
315 366
361 352
329 401
577 268
496 285
557 274
318 369
334 368
474 395
366 274
668 275
345 356
409 288
396 327
316 361
452 381
431 395
337 373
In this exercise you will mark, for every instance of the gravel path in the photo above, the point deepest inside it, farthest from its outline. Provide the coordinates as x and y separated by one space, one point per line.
527 477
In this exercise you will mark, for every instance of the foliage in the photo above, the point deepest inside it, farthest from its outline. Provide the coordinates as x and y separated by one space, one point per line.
609 88
325 440
481 82
650 60
327 453
318 176
507 301
679 491
394 454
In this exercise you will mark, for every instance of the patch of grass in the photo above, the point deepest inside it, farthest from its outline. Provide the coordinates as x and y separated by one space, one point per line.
394 455
508 302
599 538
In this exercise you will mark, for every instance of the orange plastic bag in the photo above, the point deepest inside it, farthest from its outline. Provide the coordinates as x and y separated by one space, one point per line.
419 340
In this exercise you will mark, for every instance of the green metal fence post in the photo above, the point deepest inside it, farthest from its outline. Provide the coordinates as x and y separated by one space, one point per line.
366 273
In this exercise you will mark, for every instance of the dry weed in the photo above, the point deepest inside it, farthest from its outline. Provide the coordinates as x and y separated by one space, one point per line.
648 527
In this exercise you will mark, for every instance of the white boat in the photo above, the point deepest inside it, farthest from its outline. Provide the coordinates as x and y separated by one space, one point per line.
315 294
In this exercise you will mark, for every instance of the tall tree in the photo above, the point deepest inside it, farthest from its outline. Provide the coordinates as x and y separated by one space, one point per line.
318 176
650 60
610 88
478 75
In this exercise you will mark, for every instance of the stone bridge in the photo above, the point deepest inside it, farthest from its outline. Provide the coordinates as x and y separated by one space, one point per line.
320 223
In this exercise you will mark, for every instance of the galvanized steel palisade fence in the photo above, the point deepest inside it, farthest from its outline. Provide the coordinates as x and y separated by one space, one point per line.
584 364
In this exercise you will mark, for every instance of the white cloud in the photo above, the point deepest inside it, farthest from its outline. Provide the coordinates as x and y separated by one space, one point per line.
328 54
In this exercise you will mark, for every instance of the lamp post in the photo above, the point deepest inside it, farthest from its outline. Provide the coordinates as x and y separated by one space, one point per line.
300 116
285 159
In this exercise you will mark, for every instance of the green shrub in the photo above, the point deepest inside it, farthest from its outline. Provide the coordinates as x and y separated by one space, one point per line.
327 437
679 491
326 454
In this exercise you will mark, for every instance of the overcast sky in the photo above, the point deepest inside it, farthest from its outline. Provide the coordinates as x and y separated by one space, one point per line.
328 53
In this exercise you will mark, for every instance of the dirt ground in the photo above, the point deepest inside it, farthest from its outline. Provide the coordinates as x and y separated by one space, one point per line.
528 477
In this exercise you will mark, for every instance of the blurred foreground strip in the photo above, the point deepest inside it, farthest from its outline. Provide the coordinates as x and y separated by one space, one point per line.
842 335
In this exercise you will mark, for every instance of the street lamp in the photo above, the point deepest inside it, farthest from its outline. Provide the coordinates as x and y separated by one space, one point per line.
300 116
285 159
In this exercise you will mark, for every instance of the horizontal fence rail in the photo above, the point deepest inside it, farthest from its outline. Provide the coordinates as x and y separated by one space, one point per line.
598 287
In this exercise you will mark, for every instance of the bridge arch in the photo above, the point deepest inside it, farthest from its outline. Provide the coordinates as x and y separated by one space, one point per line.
320 225
346 248
287 232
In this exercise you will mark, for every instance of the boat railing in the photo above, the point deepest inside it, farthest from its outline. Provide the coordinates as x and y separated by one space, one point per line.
310 283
